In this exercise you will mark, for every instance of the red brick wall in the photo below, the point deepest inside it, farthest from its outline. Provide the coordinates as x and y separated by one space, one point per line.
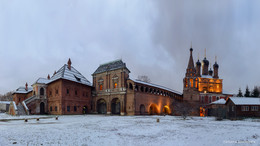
63 99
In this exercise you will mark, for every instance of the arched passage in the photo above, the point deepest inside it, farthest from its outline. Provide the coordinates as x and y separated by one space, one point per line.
142 109
42 110
101 106
115 106
166 110
153 110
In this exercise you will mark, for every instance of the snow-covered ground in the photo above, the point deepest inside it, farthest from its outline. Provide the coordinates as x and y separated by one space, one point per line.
128 130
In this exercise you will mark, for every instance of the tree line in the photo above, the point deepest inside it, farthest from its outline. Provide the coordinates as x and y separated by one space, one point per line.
254 93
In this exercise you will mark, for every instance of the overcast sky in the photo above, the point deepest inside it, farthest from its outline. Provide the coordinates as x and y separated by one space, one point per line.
152 37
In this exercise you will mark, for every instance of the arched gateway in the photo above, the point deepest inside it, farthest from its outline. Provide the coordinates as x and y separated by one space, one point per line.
115 106
101 106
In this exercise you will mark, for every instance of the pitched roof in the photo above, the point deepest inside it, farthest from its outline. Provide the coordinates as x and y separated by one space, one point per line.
113 65
69 74
41 81
220 101
157 86
21 90
245 100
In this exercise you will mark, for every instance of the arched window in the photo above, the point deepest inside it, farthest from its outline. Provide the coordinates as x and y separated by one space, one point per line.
130 86
101 87
41 91
142 89
191 82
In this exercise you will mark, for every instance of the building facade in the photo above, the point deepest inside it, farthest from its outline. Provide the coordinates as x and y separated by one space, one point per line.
116 93
112 92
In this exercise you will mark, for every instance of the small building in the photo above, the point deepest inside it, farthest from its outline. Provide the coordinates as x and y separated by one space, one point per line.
4 106
217 108
239 107
22 93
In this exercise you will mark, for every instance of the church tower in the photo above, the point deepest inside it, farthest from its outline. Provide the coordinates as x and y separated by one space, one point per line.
190 81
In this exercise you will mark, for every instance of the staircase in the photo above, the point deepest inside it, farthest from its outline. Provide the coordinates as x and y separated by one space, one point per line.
20 109
30 99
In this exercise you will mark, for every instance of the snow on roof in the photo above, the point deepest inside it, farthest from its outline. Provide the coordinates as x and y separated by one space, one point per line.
5 102
113 65
22 90
206 76
245 100
41 81
69 74
157 86
227 93
220 101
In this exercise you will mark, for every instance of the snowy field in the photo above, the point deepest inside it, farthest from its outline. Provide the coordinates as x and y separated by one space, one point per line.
128 130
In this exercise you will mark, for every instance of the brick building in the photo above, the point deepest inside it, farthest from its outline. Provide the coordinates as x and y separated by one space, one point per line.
116 93
112 92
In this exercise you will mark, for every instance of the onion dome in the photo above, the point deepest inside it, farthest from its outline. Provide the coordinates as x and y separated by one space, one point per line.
198 63
205 61
215 65
210 72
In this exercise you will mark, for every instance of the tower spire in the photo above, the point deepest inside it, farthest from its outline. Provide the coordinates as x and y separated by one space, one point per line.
205 53
191 44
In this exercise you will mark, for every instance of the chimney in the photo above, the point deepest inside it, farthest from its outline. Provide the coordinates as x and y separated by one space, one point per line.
69 64
48 77
26 86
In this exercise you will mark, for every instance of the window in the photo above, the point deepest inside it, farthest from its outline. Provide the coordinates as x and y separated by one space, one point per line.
41 91
100 87
254 108
191 83
233 108
68 108
51 108
75 108
50 93
19 99
217 98
56 108
86 94
244 108
68 91
210 99
115 85
76 92
57 91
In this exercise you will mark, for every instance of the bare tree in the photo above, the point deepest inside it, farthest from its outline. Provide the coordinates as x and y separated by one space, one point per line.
6 97
182 108
144 78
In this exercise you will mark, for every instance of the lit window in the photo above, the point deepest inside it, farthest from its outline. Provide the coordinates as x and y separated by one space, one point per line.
100 87
115 85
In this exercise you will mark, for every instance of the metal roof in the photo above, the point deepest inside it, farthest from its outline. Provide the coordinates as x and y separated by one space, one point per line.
69 74
113 65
